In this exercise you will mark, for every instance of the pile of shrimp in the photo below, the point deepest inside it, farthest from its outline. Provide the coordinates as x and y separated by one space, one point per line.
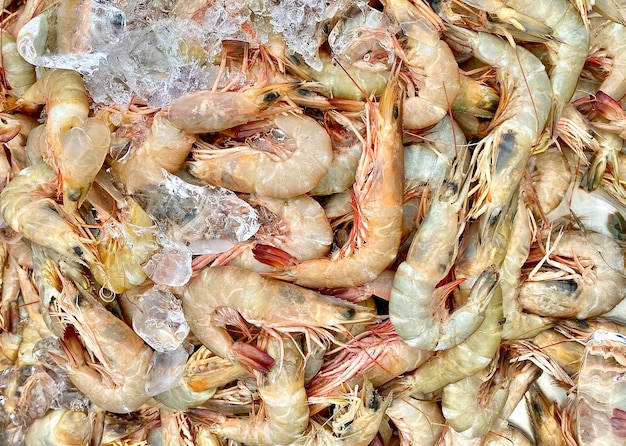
439 260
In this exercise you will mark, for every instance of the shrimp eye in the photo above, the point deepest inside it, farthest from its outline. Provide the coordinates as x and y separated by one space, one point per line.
78 251
270 97
349 313
396 112
373 403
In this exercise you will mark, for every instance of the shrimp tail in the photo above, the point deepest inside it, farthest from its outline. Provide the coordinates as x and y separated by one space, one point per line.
251 358
618 422
71 347
608 107
274 257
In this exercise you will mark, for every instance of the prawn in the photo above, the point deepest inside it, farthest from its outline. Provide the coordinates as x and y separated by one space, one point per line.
600 398
412 308
59 427
378 191
419 422
27 206
118 385
564 293
550 176
207 111
465 359
430 62
356 419
290 161
284 402
543 418
269 303
18 73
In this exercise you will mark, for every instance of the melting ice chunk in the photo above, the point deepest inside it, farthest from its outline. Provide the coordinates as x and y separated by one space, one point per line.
159 320
76 37
172 265
165 370
206 219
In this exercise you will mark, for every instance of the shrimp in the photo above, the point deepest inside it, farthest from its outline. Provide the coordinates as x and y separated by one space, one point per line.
289 308
471 409
378 191
543 419
59 427
600 398
14 133
118 385
355 421
503 154
430 62
567 47
460 361
419 422
27 207
475 98
550 177
165 148
597 290
297 156
207 111
412 308
284 402
18 73
378 355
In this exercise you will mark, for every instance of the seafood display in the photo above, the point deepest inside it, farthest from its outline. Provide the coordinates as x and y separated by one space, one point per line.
312 222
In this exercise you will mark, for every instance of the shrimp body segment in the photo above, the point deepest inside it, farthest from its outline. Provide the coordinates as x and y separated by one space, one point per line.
19 74
248 169
261 301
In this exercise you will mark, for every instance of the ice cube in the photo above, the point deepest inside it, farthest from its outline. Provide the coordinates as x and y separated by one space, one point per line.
165 370
172 265
159 320
76 37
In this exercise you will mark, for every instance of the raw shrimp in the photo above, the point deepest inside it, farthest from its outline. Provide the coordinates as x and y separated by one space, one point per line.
567 47
475 97
471 409
290 161
607 39
14 133
166 147
118 384
419 422
596 291
378 191
284 402
341 80
261 301
543 419
355 421
600 402
18 73
26 205
207 111
414 306
462 360
378 355
523 111
430 63
59 427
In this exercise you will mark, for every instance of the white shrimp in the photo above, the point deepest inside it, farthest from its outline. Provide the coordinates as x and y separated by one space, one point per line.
59 427
419 422
607 39
265 302
563 293
18 73
297 156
